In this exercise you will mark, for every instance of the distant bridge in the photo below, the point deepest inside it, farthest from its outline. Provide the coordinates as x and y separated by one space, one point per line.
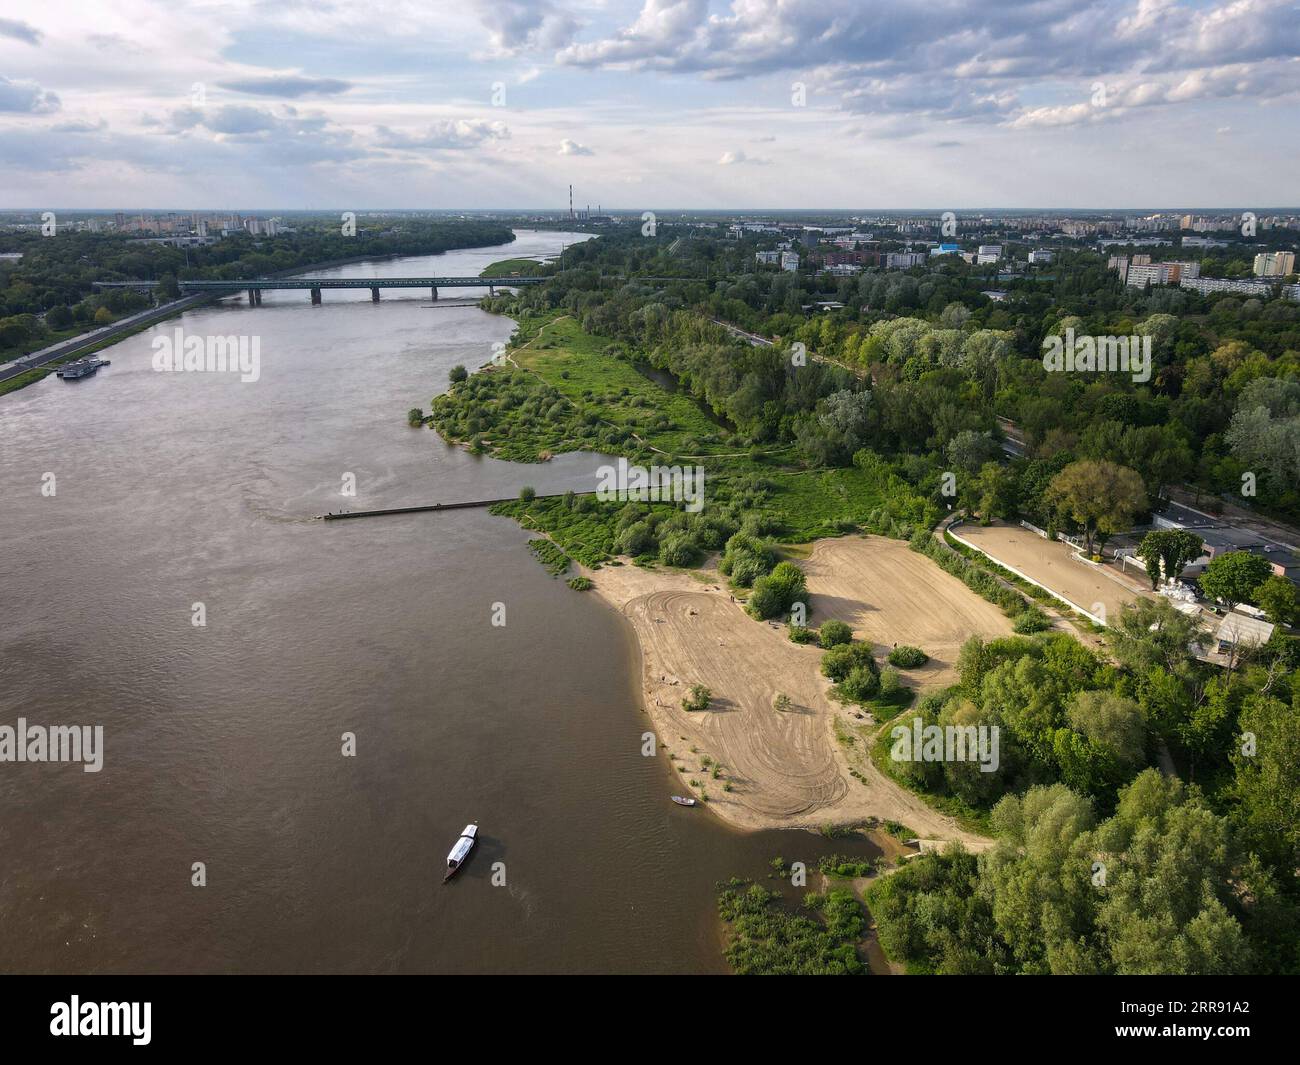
256 286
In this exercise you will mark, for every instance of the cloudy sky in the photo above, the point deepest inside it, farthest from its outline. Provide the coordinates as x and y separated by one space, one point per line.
649 103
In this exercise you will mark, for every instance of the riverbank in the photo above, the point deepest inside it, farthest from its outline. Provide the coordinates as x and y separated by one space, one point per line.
757 767
40 364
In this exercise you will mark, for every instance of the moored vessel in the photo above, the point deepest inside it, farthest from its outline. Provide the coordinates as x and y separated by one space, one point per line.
460 851
81 368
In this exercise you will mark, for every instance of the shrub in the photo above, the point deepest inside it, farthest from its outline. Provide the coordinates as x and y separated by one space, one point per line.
637 539
778 591
414 417
802 634
861 684
745 559
458 374
905 656
890 682
699 698
580 584
782 703
833 633
677 550
527 493
839 662
1030 621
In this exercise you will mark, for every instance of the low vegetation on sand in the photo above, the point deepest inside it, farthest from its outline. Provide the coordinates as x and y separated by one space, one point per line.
905 656
765 938
550 556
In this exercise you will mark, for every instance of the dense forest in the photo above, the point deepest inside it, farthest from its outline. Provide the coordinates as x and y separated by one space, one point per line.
930 359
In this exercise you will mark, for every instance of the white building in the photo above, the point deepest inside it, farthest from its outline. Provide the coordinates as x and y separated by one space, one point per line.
988 253
789 261
1041 255
1206 285
1275 264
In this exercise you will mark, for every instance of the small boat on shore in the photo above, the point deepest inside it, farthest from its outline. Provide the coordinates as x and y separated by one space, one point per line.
682 801
459 852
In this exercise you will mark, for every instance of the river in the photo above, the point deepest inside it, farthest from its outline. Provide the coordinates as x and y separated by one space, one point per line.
223 742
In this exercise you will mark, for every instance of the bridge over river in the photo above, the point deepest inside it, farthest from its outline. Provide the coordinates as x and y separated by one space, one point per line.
256 286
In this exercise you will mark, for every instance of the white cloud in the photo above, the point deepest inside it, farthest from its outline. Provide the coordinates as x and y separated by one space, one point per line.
738 157
568 147
447 135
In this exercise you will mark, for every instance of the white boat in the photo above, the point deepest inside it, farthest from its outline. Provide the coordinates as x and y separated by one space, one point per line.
680 801
456 857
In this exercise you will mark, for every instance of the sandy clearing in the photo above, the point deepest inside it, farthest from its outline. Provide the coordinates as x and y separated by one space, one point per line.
787 770
1051 563
888 593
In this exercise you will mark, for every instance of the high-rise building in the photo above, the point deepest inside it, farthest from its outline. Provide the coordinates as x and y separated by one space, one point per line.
1274 264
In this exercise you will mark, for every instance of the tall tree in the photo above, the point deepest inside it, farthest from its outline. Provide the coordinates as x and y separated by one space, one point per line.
1233 577
1099 496
1169 550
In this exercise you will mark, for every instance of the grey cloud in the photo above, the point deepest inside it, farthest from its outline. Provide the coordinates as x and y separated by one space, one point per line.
526 25
80 126
20 31
26 97
957 60
288 86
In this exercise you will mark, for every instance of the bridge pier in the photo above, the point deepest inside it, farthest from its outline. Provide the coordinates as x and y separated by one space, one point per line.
435 291
315 296
491 291
374 294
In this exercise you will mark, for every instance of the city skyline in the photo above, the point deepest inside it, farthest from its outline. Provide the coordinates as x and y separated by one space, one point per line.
674 105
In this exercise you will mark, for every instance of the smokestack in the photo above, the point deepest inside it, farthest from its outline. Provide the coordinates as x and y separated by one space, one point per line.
570 203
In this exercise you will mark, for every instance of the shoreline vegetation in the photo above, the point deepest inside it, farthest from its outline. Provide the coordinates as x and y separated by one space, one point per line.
63 272
818 602
515 268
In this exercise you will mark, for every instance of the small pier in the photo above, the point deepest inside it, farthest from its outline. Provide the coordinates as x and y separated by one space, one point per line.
428 507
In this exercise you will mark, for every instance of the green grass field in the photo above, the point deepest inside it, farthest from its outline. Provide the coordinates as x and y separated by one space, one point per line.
582 368
562 389
506 267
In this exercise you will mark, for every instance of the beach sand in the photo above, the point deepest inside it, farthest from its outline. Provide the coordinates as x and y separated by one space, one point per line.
789 769
889 594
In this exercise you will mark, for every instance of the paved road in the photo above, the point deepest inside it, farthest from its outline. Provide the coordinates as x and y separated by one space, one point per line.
96 336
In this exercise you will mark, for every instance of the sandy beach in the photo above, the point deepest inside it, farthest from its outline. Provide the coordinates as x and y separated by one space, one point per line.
808 766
